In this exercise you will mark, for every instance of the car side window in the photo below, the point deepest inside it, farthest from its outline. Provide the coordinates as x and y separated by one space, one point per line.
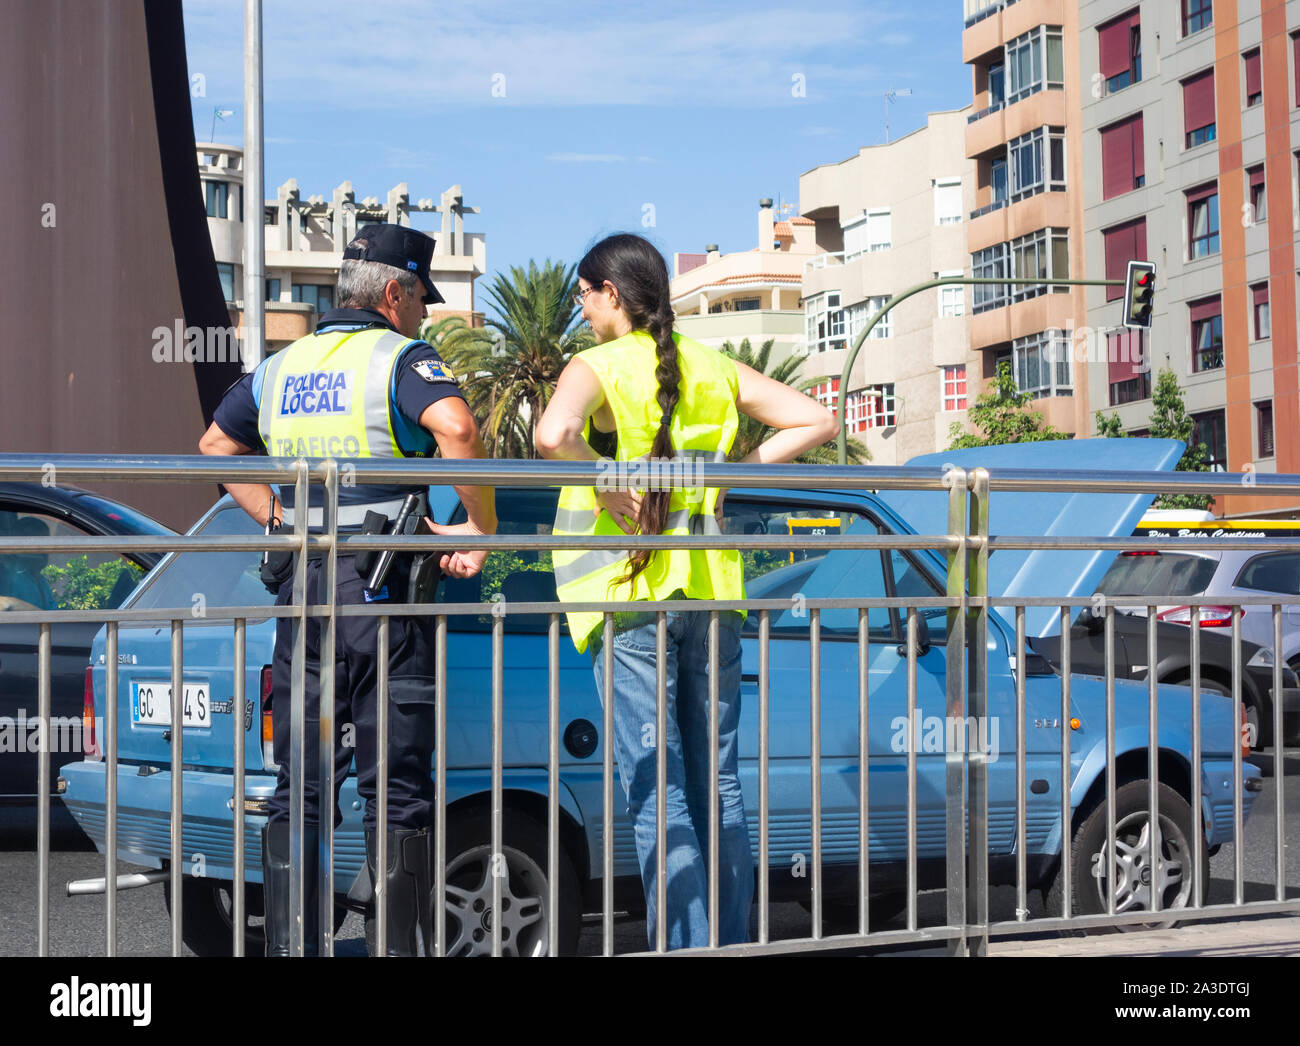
802 574
223 579
512 577
59 580
1276 573
911 580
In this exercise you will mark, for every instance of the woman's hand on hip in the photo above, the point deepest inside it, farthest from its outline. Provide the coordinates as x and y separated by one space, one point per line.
623 505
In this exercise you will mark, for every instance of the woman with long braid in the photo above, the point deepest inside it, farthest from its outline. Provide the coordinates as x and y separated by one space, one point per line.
666 397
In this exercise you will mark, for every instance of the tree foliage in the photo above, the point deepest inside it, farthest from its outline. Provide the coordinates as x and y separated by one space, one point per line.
1001 415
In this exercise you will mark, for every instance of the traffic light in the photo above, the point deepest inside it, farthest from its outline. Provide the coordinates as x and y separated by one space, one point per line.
1139 294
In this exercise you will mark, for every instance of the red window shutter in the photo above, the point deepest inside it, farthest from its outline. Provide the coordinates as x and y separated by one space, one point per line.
1205 191
1256 177
1116 160
1198 101
1125 352
1113 46
1205 309
1260 293
1123 244
1252 72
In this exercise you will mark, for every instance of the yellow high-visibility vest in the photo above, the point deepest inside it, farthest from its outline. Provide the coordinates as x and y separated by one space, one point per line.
704 425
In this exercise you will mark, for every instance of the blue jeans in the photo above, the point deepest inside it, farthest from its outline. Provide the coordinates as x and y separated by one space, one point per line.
687 746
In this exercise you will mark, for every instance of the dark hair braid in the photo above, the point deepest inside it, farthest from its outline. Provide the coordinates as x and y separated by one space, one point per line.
637 269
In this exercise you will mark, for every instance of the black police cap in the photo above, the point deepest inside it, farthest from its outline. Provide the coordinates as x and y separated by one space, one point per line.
400 247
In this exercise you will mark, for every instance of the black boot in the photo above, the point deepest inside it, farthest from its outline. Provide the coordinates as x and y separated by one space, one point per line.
275 880
409 886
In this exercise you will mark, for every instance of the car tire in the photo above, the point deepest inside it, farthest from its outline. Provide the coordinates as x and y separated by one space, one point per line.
206 916
467 907
1260 725
1133 889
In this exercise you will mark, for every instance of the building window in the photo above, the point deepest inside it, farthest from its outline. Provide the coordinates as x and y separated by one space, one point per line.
953 387
855 411
1119 46
1207 334
828 394
1034 61
1039 256
1209 428
218 198
1259 305
273 289
1128 372
880 408
997 85
952 300
860 313
1295 64
990 264
1255 194
824 321
855 237
879 230
747 304
1197 15
1123 244
1041 364
1203 221
1264 426
319 296
1198 109
998 181
1254 83
947 201
226 271
1030 171
870 231
1123 163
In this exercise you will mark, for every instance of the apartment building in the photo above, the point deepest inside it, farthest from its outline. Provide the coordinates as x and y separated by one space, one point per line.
305 240
1023 138
752 294
1191 140
888 218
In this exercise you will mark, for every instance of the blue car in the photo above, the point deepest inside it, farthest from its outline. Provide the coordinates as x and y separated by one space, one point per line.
230 579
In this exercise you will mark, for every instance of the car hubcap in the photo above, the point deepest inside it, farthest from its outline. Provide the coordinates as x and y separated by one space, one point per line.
1133 874
469 909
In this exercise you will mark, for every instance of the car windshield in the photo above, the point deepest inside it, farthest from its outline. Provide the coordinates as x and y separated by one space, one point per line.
220 578
1162 574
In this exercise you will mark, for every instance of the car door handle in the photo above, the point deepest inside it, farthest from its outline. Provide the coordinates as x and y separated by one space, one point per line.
749 677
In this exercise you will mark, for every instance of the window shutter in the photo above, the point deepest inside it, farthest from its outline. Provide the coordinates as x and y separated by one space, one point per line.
1260 293
1204 192
1256 177
1205 309
1123 244
1295 48
1198 101
1126 356
1113 45
1252 72
1121 156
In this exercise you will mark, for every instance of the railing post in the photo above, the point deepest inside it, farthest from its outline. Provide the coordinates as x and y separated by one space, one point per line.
977 886
955 688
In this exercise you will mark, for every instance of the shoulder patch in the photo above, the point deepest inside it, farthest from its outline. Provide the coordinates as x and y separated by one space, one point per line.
434 371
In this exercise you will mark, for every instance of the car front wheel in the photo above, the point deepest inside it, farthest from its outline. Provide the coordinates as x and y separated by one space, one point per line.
1130 876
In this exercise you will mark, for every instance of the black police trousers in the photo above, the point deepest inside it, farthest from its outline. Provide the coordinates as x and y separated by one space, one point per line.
411 722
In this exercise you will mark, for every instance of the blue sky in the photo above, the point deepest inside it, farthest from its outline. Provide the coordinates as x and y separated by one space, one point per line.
563 121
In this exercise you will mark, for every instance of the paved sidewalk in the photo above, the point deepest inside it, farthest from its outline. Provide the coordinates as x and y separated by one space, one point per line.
1262 937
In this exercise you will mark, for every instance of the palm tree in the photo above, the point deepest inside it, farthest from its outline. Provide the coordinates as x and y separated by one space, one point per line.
753 432
507 373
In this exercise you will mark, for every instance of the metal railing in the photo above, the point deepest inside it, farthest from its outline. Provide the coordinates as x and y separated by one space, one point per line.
970 629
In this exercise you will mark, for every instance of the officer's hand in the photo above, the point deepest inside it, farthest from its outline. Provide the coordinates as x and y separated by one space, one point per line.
459 564
623 505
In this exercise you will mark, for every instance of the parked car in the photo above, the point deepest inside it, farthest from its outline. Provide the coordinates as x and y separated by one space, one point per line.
229 578
56 581
1167 577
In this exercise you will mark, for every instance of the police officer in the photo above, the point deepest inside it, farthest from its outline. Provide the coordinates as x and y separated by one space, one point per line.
360 386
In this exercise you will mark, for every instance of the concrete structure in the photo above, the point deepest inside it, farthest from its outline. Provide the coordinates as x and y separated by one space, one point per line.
1203 184
1024 139
883 220
305 241
752 294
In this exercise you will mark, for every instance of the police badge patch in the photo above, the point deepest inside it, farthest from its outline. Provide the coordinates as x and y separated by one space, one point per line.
434 371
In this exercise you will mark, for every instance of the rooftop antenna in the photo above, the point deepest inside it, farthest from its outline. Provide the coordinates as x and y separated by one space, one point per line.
892 96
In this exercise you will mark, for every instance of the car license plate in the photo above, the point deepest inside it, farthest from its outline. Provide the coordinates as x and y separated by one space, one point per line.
151 704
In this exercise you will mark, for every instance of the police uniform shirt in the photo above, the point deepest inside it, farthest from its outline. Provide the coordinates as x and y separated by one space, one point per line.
419 380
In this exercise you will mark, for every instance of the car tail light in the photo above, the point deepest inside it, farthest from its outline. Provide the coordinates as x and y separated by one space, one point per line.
1211 617
1141 552
1245 733
268 732
89 740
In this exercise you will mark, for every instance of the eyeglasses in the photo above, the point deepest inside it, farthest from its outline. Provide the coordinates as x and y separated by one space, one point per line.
580 299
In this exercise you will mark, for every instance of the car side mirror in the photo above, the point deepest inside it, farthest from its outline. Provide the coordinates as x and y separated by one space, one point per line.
922 637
